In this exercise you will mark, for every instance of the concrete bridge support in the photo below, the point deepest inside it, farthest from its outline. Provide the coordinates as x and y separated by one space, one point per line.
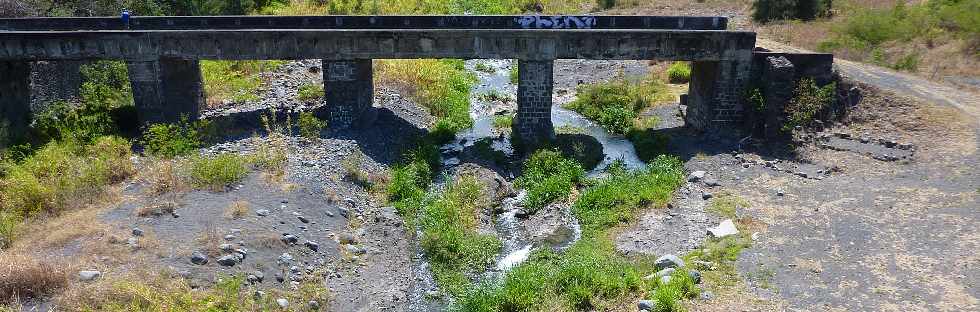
535 84
15 99
716 92
349 92
166 90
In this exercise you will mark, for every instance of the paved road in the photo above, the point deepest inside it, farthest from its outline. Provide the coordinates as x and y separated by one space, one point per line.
901 83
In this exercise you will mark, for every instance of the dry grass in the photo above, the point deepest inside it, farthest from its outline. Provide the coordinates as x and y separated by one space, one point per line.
26 276
156 209
268 239
209 240
237 209
162 176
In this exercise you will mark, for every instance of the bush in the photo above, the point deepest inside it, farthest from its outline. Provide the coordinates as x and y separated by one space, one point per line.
310 92
171 140
24 276
808 100
237 81
616 105
765 11
448 223
310 126
679 72
217 172
548 177
616 198
441 86
503 122
648 144
105 103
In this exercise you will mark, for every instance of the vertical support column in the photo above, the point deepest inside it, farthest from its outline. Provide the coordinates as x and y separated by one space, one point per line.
54 81
15 101
534 88
166 90
716 94
777 76
349 92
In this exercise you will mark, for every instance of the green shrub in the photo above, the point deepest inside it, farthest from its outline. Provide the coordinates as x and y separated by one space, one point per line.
765 11
171 140
217 173
310 92
679 72
548 177
481 67
441 86
60 176
514 74
448 223
616 105
808 100
310 126
504 122
105 104
725 205
618 197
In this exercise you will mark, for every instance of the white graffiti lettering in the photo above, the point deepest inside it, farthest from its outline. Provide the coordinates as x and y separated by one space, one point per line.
555 22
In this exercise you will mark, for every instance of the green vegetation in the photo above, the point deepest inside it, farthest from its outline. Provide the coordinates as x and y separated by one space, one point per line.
514 74
60 176
765 11
389 7
237 81
725 205
217 173
310 92
618 197
591 275
171 140
441 86
548 177
503 122
808 100
494 96
867 32
310 126
679 72
481 67
448 221
648 142
617 104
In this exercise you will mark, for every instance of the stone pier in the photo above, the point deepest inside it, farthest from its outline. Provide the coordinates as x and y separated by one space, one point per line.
534 87
348 88
166 90
15 96
716 92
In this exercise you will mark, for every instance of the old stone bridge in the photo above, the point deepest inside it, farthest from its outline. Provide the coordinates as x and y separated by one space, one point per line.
162 54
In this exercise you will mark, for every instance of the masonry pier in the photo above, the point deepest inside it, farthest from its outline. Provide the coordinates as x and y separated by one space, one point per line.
348 88
166 89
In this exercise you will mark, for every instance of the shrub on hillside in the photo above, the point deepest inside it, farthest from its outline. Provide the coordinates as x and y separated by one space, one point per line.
310 126
765 11
171 140
217 173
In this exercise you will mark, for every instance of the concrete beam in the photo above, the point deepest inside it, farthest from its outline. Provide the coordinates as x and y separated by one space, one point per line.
535 84
349 93
370 22
379 44
166 90
15 101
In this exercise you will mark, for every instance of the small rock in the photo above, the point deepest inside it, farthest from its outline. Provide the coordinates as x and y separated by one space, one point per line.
696 176
303 219
137 232
262 212
132 242
86 276
645 305
711 182
344 212
285 258
314 305
282 302
780 193
706 295
311 245
707 195
664 280
199 258
229 237
255 277
330 214
228 260
346 238
726 228
258 295
668 261
695 276
226 247
290 239
661 273
279 277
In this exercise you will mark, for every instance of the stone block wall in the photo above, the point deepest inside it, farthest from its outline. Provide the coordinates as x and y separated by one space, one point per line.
776 75
15 94
349 92
166 90
534 89
54 81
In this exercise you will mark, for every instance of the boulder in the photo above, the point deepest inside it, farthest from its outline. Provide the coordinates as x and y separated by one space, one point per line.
199 258
668 261
86 276
726 228
696 176
282 302
646 305
228 260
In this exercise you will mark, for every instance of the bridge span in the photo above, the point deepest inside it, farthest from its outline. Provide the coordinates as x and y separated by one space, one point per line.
162 54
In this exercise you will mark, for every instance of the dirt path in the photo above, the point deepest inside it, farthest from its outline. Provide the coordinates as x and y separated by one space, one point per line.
897 82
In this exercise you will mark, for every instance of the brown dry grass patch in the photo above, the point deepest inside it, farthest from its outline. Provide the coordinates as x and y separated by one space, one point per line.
26 276
237 209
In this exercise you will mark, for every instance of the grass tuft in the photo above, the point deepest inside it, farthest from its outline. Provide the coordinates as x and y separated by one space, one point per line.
548 177
24 276
679 72
310 92
217 173
617 198
616 105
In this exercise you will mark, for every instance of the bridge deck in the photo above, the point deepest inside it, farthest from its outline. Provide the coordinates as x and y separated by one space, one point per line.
369 22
